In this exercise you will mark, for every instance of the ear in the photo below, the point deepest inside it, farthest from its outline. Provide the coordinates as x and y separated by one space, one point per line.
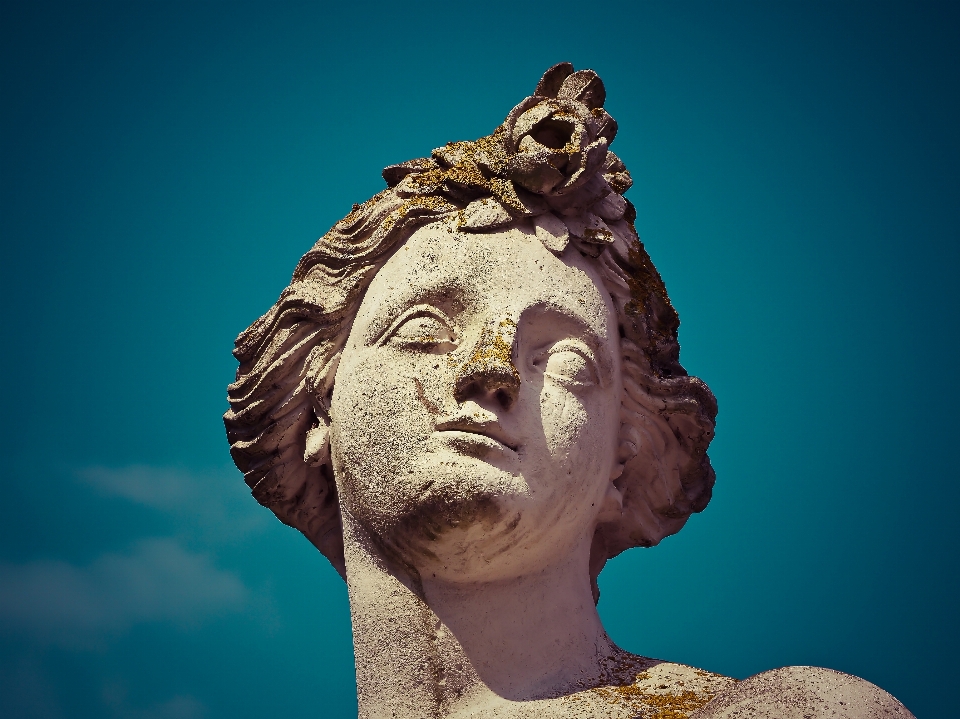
320 371
317 451
611 506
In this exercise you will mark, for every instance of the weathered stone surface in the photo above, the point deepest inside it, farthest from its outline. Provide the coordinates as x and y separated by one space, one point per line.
804 693
485 214
552 232
468 399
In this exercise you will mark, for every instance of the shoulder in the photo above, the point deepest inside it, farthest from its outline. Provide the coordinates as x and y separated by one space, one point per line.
645 688
803 693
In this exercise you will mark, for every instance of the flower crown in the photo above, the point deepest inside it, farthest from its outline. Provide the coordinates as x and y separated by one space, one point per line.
549 161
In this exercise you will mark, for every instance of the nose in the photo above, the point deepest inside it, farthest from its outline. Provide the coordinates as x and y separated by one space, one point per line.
489 371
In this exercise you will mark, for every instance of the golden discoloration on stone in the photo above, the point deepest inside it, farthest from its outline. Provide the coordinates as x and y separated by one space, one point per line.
491 355
660 690
430 202
598 236
644 282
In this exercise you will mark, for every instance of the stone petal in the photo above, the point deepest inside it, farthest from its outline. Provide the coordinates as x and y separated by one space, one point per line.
556 158
465 174
515 113
552 232
516 199
584 86
619 181
587 248
485 214
612 163
533 204
528 120
451 153
605 124
395 173
611 207
615 172
575 202
552 79
416 184
595 155
589 228
596 231
534 172
576 225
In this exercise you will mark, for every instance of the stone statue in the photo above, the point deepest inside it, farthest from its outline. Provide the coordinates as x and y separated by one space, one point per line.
469 398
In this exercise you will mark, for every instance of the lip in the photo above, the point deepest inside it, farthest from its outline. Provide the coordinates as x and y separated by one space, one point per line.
470 440
467 432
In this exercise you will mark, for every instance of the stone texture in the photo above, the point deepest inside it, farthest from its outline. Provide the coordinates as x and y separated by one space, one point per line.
804 693
469 398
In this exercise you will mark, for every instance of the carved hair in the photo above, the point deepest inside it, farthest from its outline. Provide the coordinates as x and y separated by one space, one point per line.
547 165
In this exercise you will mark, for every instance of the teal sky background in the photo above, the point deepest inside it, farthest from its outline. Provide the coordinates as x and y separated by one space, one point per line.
164 166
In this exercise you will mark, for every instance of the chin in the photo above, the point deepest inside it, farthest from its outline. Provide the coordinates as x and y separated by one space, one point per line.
455 516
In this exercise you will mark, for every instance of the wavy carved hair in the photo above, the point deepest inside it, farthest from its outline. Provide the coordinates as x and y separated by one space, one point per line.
288 358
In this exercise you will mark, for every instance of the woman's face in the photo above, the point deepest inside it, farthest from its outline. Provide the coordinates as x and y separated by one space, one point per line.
475 411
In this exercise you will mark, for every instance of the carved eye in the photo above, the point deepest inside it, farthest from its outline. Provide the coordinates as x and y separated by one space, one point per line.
568 363
424 330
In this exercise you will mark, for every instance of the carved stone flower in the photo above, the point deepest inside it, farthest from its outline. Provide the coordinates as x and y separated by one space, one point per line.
557 139
548 160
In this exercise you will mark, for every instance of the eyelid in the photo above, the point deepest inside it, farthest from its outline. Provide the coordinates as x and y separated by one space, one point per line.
418 311
567 345
580 348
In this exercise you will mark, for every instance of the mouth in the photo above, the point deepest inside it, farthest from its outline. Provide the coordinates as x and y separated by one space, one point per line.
469 435
470 442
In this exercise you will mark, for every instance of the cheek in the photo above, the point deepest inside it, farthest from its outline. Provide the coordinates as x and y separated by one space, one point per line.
379 420
564 418
576 428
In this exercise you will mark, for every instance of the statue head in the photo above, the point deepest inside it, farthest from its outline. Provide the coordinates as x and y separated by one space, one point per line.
480 363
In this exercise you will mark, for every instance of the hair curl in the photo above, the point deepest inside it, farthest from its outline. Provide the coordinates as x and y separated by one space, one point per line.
547 164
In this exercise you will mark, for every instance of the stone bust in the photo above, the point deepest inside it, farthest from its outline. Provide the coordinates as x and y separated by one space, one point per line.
468 399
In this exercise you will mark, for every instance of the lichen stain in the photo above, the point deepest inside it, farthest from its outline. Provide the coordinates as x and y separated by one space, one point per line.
644 282
668 705
490 362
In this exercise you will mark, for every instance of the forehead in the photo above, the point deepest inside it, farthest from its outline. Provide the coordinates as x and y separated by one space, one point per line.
508 273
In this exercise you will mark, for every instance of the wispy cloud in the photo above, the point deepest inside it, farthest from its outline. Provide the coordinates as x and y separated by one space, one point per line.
216 504
179 707
157 487
158 580
182 706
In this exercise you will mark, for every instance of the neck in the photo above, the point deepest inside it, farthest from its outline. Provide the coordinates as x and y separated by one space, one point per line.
427 648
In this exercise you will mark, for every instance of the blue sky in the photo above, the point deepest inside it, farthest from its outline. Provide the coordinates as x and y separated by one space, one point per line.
163 167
